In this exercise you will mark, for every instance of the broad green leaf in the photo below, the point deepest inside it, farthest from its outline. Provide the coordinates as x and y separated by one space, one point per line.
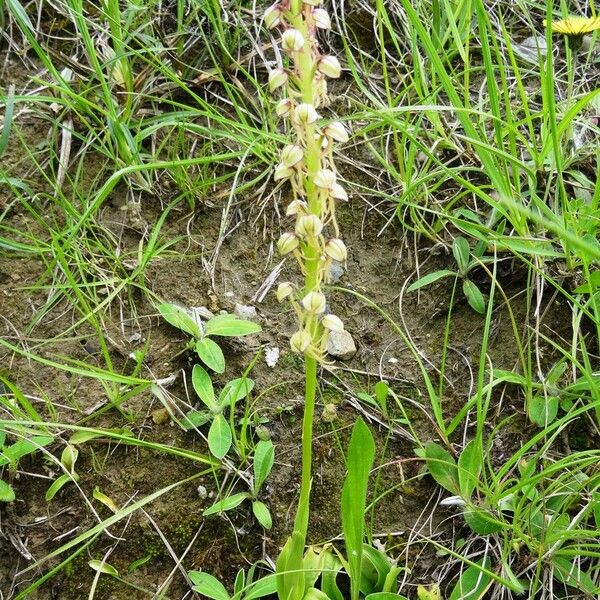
7 494
501 375
442 467
474 296
219 437
469 466
313 593
59 484
473 583
266 586
15 452
211 354
382 391
431 593
385 596
542 411
194 419
481 521
226 504
262 514
429 279
203 387
290 578
569 573
208 586
375 568
264 457
361 453
234 391
240 582
103 567
230 326
331 567
461 252
179 317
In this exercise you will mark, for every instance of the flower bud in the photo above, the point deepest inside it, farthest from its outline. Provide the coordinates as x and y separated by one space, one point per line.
330 66
321 17
284 107
338 192
277 78
282 172
284 290
336 249
296 207
288 242
292 40
325 178
306 114
314 302
300 341
291 155
309 226
336 131
333 323
272 16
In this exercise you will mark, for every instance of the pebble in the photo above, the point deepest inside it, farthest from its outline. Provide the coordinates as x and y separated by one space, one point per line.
244 311
271 355
341 345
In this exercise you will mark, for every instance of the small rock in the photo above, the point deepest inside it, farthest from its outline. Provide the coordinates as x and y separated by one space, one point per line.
341 345
531 48
336 270
271 356
202 492
329 414
244 311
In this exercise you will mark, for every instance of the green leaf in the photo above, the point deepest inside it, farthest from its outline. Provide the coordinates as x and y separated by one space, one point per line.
382 391
15 452
473 583
500 375
461 252
102 567
208 586
474 296
226 504
291 583
375 568
569 573
429 279
385 596
7 494
219 437
106 500
542 411
234 391
469 467
211 354
69 457
264 457
433 593
179 317
265 586
262 514
331 567
230 326
361 453
59 484
194 419
139 562
203 387
442 467
481 521
80 437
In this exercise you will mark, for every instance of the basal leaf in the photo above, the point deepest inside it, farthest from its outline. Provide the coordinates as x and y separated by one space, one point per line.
230 326
226 504
481 521
208 586
203 387
234 391
179 317
429 279
442 467
264 457
469 467
461 252
103 567
474 296
262 514
542 411
473 582
7 494
211 354
219 437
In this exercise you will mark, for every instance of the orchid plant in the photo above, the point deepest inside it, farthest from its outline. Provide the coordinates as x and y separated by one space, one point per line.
307 164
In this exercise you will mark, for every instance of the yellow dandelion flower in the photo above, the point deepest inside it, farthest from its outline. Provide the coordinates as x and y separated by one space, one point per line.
575 26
